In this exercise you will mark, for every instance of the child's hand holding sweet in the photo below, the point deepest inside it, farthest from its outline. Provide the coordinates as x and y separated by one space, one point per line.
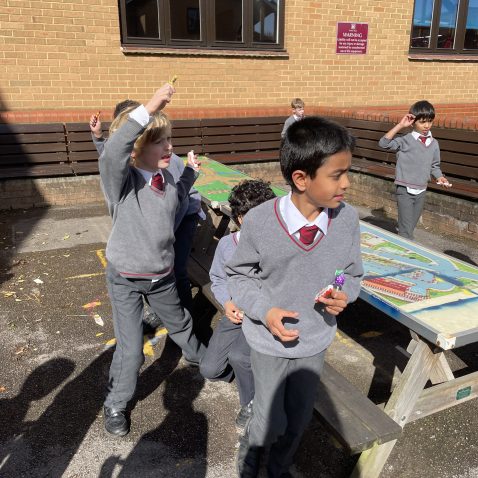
160 98
442 181
95 125
274 318
233 313
193 161
336 303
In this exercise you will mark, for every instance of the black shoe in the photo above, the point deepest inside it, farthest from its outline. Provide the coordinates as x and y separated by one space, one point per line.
245 413
248 460
116 422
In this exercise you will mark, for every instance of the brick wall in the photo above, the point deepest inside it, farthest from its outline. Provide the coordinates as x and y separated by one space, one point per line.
65 55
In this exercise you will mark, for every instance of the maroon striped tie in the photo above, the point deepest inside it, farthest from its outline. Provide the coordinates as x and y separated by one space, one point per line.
157 182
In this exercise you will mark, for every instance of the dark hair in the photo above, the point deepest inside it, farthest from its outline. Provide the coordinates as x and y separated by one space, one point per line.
122 105
248 194
308 143
423 110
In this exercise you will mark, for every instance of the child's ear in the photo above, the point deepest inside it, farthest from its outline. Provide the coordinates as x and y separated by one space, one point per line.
299 179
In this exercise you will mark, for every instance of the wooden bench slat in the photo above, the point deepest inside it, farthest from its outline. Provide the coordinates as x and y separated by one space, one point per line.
350 416
25 139
29 128
29 159
87 167
43 170
259 120
27 148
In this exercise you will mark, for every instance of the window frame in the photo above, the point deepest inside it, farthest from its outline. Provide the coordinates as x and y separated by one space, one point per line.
460 29
207 25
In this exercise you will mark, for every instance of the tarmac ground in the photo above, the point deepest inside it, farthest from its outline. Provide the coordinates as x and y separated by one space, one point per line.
56 343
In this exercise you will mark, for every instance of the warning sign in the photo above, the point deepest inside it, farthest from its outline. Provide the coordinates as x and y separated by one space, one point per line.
352 38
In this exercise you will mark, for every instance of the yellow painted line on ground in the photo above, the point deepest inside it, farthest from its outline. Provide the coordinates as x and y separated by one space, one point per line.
100 253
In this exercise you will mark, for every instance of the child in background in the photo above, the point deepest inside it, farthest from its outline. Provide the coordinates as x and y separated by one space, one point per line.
143 197
418 156
228 353
298 113
186 221
290 249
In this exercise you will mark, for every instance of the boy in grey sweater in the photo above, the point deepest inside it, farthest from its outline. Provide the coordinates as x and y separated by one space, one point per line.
228 354
290 249
144 199
418 156
298 113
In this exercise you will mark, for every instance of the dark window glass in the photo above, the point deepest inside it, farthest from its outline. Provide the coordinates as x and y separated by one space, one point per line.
471 32
228 20
445 27
142 18
446 32
185 19
265 21
211 24
422 23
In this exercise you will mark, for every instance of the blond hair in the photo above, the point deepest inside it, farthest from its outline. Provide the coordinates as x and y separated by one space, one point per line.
157 128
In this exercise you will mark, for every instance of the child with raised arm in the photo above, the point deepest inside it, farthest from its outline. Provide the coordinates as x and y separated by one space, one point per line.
228 353
143 197
418 157
186 221
290 249
298 113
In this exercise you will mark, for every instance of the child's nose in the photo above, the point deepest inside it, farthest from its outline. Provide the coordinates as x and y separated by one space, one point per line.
345 182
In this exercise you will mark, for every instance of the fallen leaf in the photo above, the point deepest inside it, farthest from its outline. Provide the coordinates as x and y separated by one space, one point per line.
38 281
99 334
66 236
3 389
91 305
98 320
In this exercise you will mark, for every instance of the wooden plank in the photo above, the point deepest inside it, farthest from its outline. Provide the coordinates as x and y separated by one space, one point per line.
241 138
456 170
31 128
350 416
30 159
43 170
85 168
233 147
13 139
256 120
457 158
445 395
27 148
244 129
459 147
237 158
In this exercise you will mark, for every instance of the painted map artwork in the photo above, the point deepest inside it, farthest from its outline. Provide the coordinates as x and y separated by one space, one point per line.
440 291
215 181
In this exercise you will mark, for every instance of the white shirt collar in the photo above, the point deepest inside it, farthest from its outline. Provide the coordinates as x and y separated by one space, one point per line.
147 175
416 135
294 219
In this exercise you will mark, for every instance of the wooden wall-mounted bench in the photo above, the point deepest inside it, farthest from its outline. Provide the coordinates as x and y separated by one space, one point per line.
81 150
242 140
459 155
33 150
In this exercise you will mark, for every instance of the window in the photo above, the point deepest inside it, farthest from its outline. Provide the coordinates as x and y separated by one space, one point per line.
211 24
445 27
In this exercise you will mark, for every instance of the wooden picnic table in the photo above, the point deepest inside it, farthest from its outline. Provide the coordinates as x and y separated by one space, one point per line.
434 295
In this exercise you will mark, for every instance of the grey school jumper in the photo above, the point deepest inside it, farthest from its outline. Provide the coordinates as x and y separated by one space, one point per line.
142 237
270 268
415 161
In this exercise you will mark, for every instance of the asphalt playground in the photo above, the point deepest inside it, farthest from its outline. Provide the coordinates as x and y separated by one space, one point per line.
56 343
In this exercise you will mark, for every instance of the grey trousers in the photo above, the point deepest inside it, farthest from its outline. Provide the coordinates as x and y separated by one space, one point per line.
285 393
126 297
228 355
410 207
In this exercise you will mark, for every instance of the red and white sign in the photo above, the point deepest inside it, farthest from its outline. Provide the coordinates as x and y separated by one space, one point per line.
352 38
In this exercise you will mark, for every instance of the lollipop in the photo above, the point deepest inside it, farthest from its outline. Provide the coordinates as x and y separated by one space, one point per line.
326 292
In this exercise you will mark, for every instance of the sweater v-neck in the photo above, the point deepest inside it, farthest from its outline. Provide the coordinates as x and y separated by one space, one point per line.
318 237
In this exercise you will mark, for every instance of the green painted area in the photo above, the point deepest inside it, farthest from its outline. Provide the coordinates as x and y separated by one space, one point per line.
394 300
465 267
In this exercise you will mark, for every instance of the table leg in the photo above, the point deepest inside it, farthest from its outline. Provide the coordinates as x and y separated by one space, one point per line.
400 405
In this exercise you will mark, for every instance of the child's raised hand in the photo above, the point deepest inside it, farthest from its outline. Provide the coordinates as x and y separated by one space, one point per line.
336 303
95 125
407 121
160 98
274 318
442 181
233 313
193 161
